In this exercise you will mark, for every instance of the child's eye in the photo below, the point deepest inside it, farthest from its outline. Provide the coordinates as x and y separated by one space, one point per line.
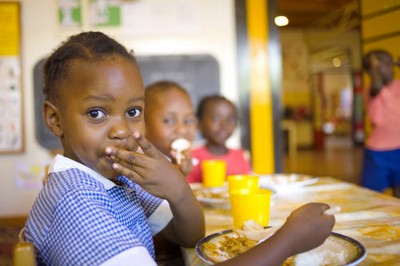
190 121
96 114
169 121
216 118
134 112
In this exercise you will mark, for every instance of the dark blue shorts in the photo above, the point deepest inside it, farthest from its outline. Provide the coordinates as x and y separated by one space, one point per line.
381 169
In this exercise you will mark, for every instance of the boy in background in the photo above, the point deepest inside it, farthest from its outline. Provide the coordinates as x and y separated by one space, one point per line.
170 116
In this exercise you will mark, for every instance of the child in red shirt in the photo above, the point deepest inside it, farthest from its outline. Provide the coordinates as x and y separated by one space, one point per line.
217 120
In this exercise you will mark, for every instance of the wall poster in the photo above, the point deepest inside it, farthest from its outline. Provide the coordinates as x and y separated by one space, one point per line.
104 13
69 13
11 102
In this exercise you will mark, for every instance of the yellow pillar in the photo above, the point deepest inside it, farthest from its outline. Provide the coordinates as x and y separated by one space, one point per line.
261 114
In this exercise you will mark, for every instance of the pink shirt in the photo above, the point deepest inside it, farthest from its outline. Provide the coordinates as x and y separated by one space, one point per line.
236 162
384 114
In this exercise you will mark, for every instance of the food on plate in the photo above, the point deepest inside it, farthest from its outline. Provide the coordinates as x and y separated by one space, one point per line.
321 258
254 231
335 251
236 242
251 225
212 197
179 145
212 193
227 247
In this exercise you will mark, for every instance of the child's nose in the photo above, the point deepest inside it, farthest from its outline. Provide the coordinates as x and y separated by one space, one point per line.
182 128
119 129
223 123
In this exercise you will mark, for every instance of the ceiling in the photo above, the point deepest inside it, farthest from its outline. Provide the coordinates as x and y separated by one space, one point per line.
309 13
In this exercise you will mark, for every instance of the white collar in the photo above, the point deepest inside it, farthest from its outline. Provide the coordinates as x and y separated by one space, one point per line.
62 163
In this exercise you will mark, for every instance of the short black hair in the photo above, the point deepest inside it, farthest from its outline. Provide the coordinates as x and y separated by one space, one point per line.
207 99
379 53
89 46
163 85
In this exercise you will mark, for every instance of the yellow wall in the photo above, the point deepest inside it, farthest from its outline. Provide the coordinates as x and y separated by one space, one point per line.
300 98
379 27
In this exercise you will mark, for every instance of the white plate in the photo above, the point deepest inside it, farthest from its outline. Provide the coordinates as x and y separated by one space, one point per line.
284 182
217 197
212 197
350 250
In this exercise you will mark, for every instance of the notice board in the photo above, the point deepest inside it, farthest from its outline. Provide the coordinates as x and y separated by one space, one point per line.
11 97
198 74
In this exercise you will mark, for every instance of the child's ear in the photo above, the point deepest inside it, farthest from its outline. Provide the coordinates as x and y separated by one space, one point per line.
52 118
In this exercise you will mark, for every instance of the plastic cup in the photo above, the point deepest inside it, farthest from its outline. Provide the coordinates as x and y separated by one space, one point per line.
247 204
243 182
24 254
213 173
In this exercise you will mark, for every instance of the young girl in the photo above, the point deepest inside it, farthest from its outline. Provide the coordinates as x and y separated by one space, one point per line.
105 197
381 161
217 119
88 213
170 116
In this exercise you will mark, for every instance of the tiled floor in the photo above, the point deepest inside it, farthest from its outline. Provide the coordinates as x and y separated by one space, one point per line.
339 159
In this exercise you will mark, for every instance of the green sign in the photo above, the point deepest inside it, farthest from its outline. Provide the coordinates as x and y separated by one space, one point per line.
69 13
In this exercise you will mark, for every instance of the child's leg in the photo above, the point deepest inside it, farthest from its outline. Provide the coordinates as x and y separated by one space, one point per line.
395 173
374 171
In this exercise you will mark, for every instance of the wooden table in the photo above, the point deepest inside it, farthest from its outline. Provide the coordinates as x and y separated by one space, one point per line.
369 217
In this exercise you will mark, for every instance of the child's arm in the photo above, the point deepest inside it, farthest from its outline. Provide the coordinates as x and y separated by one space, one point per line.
306 228
154 173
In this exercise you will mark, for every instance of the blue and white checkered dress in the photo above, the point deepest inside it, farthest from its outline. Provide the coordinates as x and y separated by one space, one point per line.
77 220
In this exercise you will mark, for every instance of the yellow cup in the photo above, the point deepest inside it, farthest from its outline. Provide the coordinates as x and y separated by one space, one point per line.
24 254
243 182
213 173
249 204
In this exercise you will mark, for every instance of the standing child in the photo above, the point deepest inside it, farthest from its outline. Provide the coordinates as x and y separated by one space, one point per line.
105 197
381 162
170 116
217 120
